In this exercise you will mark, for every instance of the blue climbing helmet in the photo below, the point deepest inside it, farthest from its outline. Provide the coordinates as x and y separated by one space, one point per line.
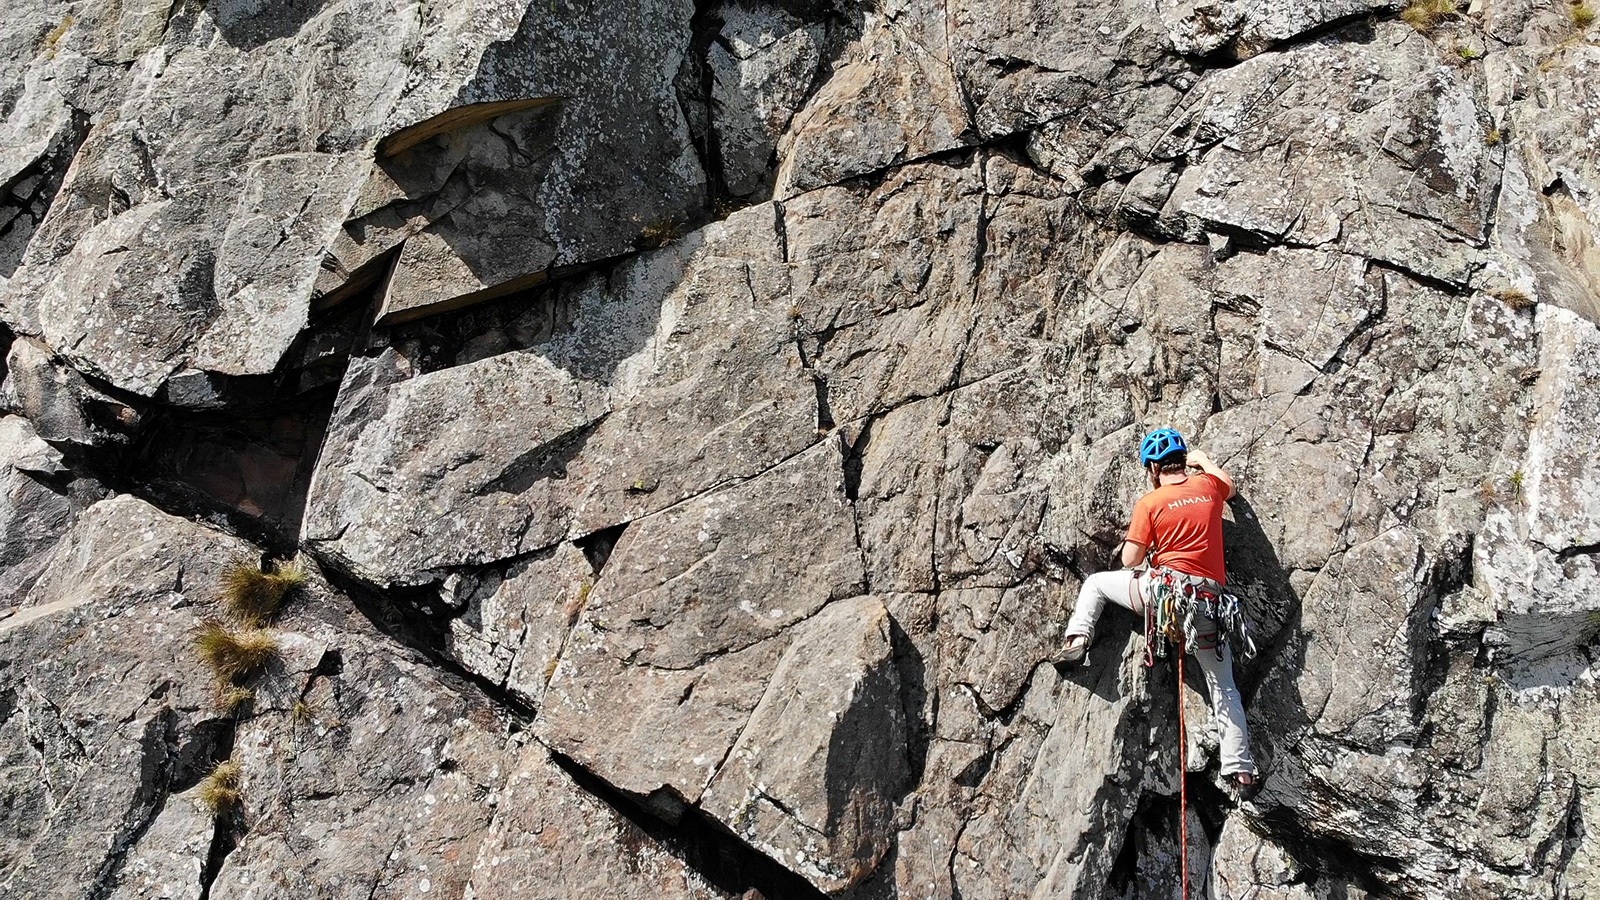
1160 444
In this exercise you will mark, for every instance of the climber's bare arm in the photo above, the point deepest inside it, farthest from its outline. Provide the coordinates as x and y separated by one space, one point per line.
1199 460
1132 554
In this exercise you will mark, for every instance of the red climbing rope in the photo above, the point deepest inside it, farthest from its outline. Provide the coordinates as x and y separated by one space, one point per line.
1183 778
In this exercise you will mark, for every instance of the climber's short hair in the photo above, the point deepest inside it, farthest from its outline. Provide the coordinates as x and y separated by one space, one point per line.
1174 463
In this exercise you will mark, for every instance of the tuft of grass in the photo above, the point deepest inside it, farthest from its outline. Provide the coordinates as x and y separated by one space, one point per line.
1468 52
1488 491
1515 298
1516 485
221 791
233 698
234 653
1425 15
252 596
1583 15
1492 136
660 233
56 34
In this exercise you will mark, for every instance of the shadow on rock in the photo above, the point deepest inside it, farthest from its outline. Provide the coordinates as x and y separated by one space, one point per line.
248 24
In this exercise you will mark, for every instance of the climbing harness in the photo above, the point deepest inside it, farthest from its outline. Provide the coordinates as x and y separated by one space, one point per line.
1178 605
1197 614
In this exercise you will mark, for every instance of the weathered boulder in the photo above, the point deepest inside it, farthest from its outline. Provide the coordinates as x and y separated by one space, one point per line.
519 451
363 768
38 502
198 224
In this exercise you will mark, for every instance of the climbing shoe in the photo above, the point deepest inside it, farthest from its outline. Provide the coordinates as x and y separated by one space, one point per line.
1245 785
1072 652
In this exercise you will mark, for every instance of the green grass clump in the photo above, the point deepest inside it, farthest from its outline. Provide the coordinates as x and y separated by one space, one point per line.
1425 15
252 596
221 791
1583 14
234 653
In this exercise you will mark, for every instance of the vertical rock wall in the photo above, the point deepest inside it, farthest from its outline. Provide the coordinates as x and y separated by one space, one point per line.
698 419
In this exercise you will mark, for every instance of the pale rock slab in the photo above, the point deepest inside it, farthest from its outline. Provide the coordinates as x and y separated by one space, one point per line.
551 841
894 99
112 711
817 771
684 629
578 421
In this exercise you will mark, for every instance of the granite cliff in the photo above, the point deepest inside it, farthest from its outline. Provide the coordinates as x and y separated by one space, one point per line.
694 419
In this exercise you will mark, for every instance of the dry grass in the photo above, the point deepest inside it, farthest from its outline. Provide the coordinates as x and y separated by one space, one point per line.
56 34
233 699
233 653
1583 14
220 791
1425 15
1515 298
1488 491
660 233
252 596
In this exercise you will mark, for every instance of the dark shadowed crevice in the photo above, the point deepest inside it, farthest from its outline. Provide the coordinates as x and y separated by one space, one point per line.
1356 28
229 827
28 196
824 408
1578 550
156 765
7 337
693 86
855 451
597 545
913 681
705 846
547 461
1331 858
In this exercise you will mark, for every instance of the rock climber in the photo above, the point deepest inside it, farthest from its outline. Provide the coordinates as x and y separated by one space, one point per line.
1177 528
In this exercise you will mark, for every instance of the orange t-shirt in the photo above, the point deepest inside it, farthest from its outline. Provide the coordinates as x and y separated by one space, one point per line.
1182 525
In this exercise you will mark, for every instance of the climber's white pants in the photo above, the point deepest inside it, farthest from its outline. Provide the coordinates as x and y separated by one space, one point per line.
1124 588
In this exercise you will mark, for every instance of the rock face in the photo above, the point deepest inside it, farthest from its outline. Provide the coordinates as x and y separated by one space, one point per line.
696 420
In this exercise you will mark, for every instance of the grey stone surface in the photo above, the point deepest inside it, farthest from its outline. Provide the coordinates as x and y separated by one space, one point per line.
106 711
227 167
36 506
688 551
364 768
